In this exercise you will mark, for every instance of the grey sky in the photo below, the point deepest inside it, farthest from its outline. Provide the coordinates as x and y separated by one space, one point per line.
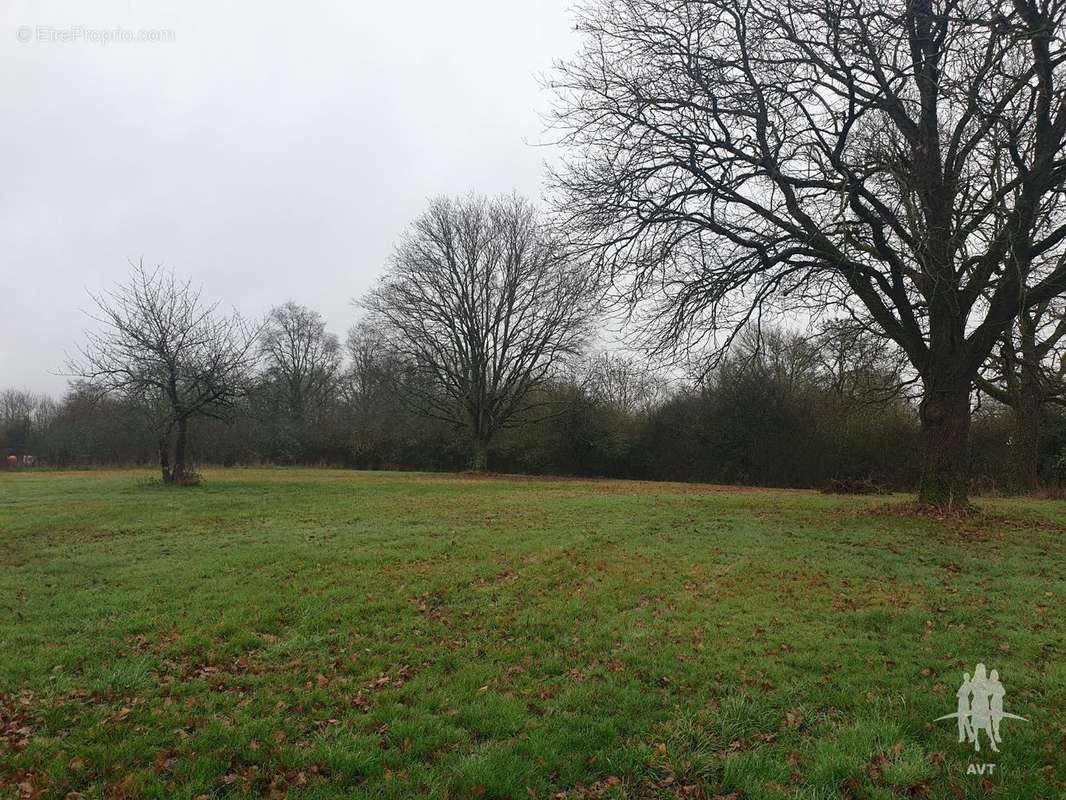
271 151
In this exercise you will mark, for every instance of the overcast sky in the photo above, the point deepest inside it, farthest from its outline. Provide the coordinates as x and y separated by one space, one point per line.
270 152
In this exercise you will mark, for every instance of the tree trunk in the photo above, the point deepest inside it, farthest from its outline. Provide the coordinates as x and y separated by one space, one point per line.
1027 431
164 458
945 417
479 454
179 472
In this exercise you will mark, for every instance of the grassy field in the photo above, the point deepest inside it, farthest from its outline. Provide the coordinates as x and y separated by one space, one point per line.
337 634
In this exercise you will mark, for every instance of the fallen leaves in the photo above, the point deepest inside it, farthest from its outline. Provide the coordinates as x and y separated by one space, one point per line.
16 718
165 760
359 701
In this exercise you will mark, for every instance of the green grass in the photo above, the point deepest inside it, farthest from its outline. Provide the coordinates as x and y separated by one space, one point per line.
339 634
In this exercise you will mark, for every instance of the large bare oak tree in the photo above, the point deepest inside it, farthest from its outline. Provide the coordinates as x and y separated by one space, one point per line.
898 159
482 304
160 345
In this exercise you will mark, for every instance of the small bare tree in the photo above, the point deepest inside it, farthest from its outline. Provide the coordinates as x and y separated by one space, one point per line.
162 347
482 304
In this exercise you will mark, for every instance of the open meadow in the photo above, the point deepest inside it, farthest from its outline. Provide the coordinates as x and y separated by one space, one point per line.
332 634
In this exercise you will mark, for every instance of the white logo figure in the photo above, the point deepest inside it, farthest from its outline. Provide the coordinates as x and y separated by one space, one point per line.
980 708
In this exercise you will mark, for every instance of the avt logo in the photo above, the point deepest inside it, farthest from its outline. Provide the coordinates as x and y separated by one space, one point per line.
980 711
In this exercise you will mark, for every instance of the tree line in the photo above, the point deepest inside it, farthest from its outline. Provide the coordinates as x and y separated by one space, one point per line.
476 350
831 408
892 171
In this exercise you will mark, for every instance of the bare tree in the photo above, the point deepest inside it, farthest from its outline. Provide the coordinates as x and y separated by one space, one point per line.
162 347
899 159
482 304
1027 373
22 415
368 389
372 370
301 357
859 365
625 384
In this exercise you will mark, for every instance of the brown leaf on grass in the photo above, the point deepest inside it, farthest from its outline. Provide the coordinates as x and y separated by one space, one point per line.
736 746
27 789
360 702
322 681
793 718
125 789
165 760
875 768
